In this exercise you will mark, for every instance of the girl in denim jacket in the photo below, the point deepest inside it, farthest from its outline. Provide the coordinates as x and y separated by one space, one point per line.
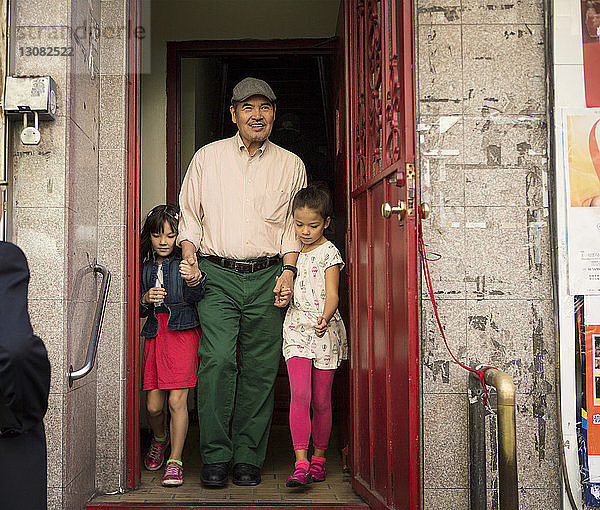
170 288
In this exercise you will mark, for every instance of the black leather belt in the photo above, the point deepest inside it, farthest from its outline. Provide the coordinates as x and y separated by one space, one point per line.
244 266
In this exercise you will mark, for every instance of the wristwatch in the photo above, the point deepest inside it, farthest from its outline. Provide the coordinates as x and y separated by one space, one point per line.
293 269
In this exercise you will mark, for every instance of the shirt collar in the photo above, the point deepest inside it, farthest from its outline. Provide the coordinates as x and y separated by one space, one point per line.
241 146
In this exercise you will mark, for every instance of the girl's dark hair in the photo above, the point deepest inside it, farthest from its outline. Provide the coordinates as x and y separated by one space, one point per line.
315 197
154 224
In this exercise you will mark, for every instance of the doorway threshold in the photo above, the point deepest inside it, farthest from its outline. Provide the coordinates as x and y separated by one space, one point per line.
208 506
335 492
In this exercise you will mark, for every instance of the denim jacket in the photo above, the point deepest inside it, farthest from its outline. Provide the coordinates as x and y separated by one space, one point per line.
179 300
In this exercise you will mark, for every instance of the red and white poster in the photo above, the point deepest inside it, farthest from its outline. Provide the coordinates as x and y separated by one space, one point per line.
583 211
590 28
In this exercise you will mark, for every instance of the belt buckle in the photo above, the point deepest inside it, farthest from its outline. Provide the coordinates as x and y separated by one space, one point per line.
244 267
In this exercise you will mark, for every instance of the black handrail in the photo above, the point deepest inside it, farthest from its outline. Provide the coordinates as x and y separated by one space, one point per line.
95 334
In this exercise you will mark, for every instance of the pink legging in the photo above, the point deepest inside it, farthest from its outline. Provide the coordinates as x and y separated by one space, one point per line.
303 397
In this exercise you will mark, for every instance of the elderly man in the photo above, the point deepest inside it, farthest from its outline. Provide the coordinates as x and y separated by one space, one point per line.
235 212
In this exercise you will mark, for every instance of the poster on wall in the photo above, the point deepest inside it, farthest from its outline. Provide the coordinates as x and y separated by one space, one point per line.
590 30
582 132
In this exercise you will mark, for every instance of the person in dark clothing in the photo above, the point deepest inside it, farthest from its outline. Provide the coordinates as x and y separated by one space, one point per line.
24 388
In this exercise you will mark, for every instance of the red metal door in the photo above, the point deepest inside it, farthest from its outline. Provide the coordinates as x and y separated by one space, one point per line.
386 445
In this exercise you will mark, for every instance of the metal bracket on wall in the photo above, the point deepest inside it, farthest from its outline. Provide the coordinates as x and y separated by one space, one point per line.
3 188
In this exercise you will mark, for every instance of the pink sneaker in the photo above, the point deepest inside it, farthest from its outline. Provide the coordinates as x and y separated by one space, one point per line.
300 476
155 457
317 472
173 474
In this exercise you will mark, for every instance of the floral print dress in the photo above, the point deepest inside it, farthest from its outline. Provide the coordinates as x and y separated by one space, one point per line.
308 303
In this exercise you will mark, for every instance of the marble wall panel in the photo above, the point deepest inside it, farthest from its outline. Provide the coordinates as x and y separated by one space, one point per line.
109 476
485 12
505 141
113 28
113 110
40 13
501 68
442 174
84 92
538 457
443 499
82 241
439 72
497 253
112 190
55 499
445 246
515 336
445 441
440 374
77 493
496 186
80 424
53 424
48 322
40 233
38 171
111 249
439 12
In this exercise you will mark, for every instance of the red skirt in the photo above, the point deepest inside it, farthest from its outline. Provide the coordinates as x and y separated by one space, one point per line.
170 359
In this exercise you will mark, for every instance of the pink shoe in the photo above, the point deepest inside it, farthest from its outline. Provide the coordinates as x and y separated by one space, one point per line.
173 474
300 476
317 471
155 457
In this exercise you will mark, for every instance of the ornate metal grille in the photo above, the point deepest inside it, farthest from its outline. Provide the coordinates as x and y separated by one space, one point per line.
377 70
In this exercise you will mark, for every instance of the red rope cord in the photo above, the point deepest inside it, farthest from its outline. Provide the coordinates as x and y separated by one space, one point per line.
424 261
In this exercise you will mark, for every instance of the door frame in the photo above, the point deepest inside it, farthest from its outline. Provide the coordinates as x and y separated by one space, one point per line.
175 52
215 48
133 207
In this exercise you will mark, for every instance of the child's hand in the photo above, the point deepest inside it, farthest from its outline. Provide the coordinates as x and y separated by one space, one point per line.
283 297
154 295
189 272
321 326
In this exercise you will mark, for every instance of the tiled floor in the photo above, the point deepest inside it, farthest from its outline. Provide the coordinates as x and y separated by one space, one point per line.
272 491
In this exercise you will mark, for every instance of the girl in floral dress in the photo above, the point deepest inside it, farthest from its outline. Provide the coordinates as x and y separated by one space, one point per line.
314 337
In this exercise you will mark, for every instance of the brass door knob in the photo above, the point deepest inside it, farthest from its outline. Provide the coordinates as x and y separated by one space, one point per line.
387 210
425 210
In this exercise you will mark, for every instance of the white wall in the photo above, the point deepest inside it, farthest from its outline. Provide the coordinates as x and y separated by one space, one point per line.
569 93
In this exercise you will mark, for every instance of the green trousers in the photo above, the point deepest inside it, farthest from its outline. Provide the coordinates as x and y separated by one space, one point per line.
239 358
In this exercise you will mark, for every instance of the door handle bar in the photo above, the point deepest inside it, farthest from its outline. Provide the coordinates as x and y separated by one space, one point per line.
96 328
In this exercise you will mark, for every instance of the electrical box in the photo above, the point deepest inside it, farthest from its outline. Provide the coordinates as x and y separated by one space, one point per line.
24 94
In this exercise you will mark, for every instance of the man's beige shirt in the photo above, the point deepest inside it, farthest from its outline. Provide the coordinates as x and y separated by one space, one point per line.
238 206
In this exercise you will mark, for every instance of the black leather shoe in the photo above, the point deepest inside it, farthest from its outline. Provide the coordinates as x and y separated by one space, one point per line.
215 475
246 474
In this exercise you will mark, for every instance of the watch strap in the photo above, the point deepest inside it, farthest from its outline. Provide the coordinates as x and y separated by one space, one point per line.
293 269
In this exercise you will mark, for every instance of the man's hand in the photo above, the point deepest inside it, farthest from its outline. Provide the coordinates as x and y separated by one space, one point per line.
321 326
188 267
154 295
188 252
283 289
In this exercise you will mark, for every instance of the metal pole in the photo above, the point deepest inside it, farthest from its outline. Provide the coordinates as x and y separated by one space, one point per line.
507 438
477 464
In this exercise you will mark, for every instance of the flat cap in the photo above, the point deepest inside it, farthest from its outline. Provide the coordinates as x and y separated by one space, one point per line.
252 87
